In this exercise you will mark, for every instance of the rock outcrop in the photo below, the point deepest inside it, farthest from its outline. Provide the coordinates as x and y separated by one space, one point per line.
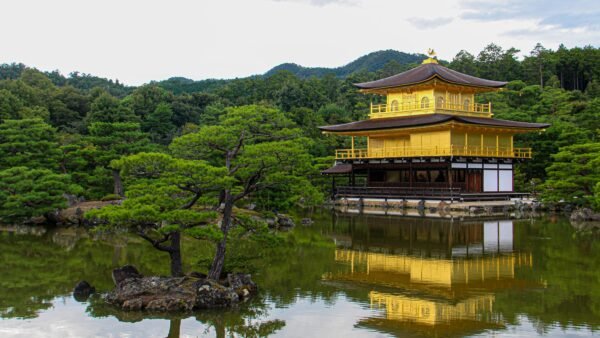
135 292
285 221
83 290
307 221
584 214
279 221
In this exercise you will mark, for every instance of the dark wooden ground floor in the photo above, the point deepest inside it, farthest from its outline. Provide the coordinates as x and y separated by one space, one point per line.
443 179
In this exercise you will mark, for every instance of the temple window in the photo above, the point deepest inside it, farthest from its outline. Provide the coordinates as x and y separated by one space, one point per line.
394 106
466 104
439 101
425 102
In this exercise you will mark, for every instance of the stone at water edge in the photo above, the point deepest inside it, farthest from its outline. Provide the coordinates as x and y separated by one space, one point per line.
443 207
307 221
584 214
134 292
211 294
242 284
125 272
82 291
285 221
163 294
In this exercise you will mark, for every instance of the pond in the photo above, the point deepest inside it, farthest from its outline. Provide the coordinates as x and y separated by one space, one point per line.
343 276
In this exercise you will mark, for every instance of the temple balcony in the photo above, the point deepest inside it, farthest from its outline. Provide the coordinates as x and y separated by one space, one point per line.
411 152
420 108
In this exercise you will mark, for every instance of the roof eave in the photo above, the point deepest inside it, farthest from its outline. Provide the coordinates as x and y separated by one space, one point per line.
436 76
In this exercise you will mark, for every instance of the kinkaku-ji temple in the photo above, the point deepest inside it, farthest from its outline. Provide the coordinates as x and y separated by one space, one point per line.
430 140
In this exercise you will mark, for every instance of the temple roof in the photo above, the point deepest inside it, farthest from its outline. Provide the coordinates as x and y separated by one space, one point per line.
338 169
425 120
426 72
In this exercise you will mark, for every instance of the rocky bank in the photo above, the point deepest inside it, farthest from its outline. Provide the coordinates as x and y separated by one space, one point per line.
135 292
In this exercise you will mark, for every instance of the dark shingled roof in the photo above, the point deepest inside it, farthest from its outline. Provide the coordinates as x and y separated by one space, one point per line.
424 120
338 169
426 72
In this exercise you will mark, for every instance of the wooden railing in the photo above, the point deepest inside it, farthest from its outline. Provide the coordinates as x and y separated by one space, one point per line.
445 193
413 192
417 108
468 151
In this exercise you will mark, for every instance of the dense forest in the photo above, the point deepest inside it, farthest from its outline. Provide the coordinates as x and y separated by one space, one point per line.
63 134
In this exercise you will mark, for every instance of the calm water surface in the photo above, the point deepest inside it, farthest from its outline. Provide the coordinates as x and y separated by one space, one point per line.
344 276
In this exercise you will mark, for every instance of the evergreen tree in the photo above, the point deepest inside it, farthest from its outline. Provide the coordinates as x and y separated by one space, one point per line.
158 124
30 143
574 174
27 193
111 141
106 108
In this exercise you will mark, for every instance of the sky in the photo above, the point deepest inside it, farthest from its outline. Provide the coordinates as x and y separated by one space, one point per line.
137 41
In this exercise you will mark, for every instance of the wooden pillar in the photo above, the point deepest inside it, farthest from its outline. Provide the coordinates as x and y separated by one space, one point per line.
481 144
446 100
410 174
332 187
353 147
497 145
449 173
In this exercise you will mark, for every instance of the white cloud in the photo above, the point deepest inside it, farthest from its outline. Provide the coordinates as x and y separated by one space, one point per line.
429 23
137 41
323 2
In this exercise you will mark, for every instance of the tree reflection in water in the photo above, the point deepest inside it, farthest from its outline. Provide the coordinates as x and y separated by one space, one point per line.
412 275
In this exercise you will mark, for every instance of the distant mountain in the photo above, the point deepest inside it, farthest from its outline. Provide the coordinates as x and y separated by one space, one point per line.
371 62
85 82
384 61
180 85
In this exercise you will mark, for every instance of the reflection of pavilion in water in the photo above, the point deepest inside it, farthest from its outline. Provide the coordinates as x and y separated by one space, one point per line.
433 276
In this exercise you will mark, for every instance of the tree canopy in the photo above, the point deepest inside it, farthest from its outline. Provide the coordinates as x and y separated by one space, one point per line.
78 124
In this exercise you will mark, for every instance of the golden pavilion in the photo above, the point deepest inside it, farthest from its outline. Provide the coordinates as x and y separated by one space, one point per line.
430 139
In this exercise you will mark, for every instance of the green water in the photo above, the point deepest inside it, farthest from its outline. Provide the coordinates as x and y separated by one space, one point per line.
344 276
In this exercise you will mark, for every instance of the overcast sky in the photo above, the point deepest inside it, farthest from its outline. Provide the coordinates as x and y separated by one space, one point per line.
137 41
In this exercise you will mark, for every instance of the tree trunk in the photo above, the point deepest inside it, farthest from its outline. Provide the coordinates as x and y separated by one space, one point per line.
175 254
219 260
118 183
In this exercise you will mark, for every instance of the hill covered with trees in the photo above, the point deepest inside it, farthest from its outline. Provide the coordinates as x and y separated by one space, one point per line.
65 132
371 62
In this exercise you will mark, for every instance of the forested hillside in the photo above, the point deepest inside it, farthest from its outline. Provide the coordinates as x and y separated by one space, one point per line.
371 62
61 133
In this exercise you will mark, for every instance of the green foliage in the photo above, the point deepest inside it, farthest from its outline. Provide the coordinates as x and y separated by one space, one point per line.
29 142
161 191
78 124
27 193
271 158
574 174
371 62
597 196
108 109
158 124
